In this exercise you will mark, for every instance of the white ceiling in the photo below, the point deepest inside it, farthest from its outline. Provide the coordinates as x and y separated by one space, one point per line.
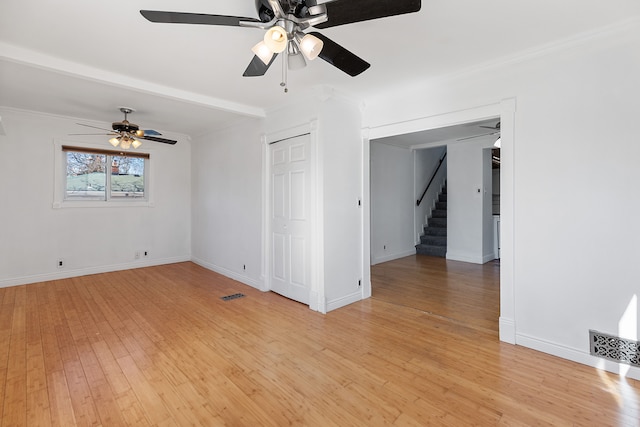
83 58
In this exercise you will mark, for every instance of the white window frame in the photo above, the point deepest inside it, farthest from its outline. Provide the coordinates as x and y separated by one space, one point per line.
60 180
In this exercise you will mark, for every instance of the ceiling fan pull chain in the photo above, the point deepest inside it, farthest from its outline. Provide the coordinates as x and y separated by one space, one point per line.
285 56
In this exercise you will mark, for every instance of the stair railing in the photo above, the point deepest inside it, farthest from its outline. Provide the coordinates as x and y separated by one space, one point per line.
431 180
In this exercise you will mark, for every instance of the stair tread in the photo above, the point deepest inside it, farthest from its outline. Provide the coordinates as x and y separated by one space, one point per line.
434 240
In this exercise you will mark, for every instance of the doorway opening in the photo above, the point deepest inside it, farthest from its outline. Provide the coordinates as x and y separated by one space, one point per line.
496 277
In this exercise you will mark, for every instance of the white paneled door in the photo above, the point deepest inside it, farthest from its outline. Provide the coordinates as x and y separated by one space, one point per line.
290 218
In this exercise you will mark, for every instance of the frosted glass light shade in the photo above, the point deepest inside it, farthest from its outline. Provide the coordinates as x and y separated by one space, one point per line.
263 52
136 143
497 143
114 141
311 46
276 39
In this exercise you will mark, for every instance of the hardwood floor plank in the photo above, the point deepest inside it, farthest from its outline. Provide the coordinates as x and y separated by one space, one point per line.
150 400
62 413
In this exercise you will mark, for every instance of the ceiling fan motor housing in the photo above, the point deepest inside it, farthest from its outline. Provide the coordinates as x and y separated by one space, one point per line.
124 126
265 13
299 8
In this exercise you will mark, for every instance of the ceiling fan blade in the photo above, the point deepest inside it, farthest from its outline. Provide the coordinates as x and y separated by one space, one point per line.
257 68
194 18
94 127
496 127
156 139
340 57
107 134
477 136
150 132
342 12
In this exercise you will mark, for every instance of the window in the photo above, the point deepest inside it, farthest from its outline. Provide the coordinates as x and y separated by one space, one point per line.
104 175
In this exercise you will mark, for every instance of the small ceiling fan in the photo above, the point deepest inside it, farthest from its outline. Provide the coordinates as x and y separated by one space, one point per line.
285 22
126 134
495 129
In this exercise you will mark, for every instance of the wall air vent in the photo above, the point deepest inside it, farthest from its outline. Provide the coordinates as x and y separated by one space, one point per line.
230 297
615 348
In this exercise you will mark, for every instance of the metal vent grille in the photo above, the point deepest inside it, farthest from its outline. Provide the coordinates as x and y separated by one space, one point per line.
615 348
230 297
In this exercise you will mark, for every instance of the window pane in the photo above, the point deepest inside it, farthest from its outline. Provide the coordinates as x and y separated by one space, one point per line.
86 177
127 177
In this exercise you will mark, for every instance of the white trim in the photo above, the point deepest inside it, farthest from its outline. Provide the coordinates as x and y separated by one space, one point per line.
32 58
452 118
507 216
229 273
576 355
506 110
507 330
343 301
472 258
391 257
67 273
366 215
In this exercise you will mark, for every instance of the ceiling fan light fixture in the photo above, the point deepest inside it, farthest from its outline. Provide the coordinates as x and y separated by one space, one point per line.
114 141
295 57
310 45
125 143
276 39
136 143
263 52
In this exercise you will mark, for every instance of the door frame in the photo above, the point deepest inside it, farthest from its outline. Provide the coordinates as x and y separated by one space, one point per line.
506 110
317 301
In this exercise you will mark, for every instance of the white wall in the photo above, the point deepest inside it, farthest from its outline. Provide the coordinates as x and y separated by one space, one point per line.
575 152
227 202
340 143
227 194
465 202
33 235
392 202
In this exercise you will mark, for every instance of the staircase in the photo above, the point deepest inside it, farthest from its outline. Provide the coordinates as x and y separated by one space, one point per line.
434 240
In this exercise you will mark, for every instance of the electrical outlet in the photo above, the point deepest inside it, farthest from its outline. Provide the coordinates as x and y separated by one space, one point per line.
60 263
146 254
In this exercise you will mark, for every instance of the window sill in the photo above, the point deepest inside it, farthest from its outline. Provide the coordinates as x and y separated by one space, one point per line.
102 204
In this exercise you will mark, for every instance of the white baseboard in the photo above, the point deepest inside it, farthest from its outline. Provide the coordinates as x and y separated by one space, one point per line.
67 273
379 259
346 300
507 330
472 258
230 274
577 356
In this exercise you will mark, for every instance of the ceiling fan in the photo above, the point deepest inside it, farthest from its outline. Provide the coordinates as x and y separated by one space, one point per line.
495 129
126 134
285 22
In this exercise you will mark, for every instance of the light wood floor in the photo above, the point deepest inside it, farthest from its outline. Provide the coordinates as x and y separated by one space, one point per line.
459 291
157 346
